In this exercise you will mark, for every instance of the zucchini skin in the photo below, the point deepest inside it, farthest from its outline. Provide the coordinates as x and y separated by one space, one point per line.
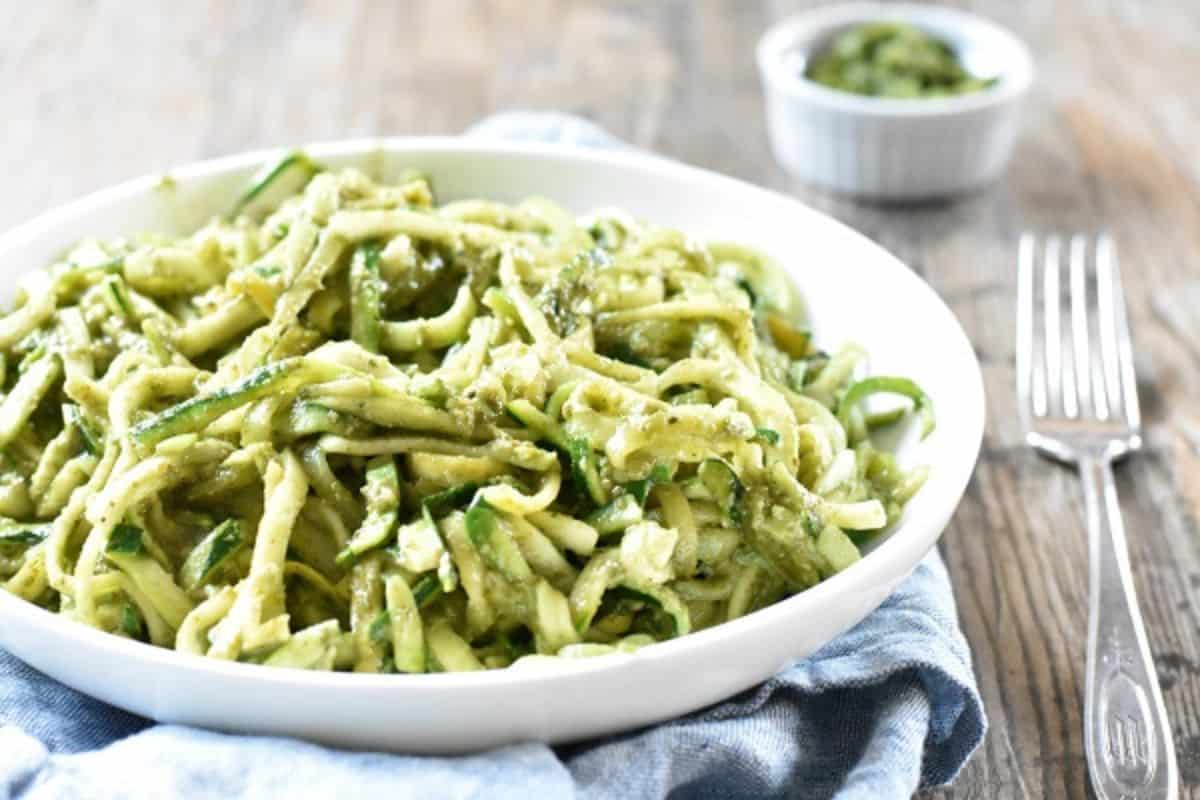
23 534
193 414
93 440
726 488
267 176
210 554
585 470
876 384
616 515
495 543
189 416
365 296
382 491
442 502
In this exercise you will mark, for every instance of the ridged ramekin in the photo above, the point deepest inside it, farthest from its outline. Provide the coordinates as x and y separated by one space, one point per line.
886 148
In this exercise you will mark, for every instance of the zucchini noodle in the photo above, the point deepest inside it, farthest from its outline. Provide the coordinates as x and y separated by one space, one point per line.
346 428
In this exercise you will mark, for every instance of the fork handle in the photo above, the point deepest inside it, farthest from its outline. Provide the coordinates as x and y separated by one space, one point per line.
1127 738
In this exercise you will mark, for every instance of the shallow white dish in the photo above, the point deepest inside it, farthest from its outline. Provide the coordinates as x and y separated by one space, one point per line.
855 289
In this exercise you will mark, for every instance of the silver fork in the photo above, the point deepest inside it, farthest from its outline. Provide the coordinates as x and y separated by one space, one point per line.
1077 397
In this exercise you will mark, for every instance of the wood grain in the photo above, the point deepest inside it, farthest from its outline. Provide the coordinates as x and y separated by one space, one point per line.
98 92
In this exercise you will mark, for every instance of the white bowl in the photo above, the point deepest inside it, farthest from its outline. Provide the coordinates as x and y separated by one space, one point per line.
884 148
856 291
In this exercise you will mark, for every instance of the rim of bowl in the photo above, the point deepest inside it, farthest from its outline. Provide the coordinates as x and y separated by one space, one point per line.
914 535
815 24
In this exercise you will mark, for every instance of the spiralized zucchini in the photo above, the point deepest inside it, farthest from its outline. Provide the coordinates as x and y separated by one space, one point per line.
348 428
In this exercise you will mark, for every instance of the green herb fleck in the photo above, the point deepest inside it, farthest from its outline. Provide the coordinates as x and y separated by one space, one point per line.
768 435
380 629
131 621
640 489
266 270
126 539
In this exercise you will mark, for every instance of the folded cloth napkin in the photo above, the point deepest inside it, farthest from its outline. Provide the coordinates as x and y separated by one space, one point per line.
885 708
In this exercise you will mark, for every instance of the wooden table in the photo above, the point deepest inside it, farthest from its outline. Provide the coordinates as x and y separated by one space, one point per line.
93 96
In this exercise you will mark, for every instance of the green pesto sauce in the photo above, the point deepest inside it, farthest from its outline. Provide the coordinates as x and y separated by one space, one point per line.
893 59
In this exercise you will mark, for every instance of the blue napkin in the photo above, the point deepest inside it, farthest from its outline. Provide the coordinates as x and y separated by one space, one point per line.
885 708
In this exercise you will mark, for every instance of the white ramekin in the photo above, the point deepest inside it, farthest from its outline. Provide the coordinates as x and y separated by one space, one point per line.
886 148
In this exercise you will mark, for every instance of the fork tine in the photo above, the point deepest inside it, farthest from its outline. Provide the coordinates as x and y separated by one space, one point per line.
1109 271
1025 327
1079 323
1070 397
1052 300
1106 301
1098 316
